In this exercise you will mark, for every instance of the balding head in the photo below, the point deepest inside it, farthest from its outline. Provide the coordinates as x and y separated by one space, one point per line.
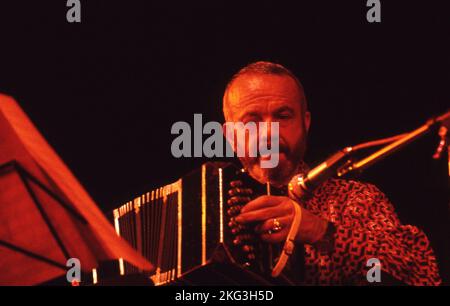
249 76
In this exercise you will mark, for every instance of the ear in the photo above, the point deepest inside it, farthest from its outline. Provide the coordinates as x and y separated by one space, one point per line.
307 119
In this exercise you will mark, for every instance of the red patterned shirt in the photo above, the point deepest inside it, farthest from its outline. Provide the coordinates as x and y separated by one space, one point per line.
365 226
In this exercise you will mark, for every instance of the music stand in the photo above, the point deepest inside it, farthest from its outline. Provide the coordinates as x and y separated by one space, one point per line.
46 216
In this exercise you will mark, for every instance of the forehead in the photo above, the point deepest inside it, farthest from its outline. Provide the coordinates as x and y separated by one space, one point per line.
254 90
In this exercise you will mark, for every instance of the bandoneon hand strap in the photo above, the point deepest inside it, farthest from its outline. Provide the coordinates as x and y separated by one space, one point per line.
289 245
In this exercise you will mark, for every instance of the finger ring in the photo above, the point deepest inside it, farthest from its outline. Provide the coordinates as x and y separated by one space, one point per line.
276 226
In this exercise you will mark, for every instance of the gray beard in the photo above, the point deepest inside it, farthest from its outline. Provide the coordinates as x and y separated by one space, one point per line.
278 176
281 175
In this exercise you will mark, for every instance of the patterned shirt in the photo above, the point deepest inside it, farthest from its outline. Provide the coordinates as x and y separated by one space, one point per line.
364 225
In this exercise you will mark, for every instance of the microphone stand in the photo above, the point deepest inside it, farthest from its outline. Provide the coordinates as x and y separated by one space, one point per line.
342 162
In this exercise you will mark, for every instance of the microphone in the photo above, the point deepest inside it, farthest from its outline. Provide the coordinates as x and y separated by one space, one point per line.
303 184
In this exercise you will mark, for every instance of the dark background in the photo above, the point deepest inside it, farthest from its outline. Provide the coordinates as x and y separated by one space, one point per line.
105 92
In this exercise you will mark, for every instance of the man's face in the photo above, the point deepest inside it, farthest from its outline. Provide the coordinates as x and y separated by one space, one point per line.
270 98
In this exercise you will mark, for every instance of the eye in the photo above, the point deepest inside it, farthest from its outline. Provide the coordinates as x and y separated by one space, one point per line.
250 118
283 115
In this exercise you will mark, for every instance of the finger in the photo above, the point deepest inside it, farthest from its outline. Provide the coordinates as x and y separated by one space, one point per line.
236 183
262 214
234 210
240 191
267 225
262 202
274 237
238 200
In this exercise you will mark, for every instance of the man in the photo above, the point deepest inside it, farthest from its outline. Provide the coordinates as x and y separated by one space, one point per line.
344 223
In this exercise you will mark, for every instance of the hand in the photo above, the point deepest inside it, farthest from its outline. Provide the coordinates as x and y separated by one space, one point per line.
264 209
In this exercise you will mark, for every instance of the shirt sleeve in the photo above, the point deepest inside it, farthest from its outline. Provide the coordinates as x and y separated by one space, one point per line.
369 228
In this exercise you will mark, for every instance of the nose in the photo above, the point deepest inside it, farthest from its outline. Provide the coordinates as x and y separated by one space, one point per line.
265 132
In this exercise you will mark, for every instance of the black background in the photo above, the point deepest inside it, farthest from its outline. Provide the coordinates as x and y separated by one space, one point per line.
106 92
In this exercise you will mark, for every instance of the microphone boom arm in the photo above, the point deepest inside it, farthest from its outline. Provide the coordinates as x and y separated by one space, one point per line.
341 163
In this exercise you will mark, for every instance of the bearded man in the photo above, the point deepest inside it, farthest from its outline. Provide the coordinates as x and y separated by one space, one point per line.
344 223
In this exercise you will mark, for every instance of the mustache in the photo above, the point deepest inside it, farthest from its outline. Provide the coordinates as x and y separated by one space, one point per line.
282 148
